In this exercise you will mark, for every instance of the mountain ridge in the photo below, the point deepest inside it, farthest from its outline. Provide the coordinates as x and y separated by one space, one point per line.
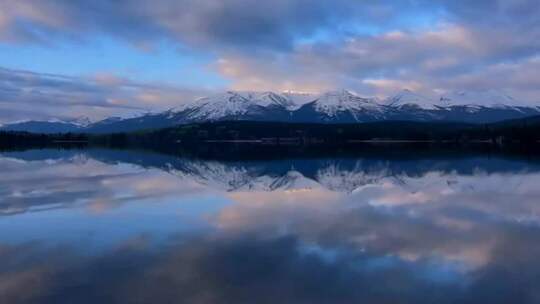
345 174
339 106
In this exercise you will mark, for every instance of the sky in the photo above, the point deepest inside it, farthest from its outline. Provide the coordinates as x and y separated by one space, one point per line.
71 58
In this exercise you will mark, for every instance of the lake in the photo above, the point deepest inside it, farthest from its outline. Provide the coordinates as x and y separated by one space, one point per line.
380 225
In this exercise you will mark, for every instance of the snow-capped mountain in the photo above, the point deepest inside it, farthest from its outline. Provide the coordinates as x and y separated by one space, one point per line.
488 99
493 102
408 98
270 99
231 105
81 121
331 103
464 106
46 127
340 106
329 107
343 175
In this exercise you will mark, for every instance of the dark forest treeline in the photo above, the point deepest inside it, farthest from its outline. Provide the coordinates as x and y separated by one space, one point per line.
10 140
327 134
524 131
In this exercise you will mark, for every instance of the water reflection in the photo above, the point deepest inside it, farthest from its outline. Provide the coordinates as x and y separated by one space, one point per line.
113 226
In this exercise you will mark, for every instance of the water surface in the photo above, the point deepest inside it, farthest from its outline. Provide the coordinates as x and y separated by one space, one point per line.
120 226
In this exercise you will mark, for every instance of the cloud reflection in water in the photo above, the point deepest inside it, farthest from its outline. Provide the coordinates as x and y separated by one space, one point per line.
365 230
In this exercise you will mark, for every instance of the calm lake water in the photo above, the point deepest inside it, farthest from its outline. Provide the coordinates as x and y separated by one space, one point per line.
119 226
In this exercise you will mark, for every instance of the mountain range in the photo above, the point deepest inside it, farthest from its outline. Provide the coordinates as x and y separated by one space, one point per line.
330 107
345 175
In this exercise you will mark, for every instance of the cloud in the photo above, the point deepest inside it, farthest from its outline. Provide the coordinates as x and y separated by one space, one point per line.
30 95
460 51
48 179
235 23
313 263
461 242
449 57
371 47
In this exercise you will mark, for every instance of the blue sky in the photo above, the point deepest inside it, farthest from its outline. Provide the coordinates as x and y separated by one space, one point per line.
164 63
97 58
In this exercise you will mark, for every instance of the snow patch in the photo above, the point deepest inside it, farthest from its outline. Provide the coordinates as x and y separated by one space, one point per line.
410 98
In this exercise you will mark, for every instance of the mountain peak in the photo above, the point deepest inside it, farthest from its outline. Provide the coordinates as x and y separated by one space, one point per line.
81 121
333 102
266 99
340 92
407 97
481 98
338 106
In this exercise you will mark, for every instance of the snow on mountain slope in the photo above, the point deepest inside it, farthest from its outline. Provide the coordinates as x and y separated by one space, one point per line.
334 102
81 121
110 120
410 98
267 99
234 104
330 107
218 106
489 99
299 99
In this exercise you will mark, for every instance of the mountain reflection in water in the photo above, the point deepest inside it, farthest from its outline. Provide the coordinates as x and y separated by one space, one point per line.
120 226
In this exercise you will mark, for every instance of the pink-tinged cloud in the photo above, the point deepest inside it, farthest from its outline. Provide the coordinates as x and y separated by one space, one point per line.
371 47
